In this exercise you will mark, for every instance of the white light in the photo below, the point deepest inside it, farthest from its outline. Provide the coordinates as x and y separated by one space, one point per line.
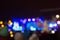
32 28
29 19
57 16
33 19
55 25
50 25
52 31
58 22
16 26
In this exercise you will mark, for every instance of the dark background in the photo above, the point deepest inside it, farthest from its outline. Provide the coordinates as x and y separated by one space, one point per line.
27 8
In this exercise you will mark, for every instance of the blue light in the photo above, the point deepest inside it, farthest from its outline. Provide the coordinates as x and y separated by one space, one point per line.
31 26
42 18
24 21
38 28
16 27
15 19
21 20
21 28
53 25
10 25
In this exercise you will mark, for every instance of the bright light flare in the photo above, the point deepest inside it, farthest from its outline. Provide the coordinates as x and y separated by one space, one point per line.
33 19
58 22
10 23
29 19
16 26
50 25
57 16
2 25
11 35
32 28
11 32
53 32
1 22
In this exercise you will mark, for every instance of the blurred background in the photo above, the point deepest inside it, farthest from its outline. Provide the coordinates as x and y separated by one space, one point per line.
30 19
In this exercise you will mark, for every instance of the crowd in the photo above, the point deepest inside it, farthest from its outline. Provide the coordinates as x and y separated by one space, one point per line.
33 36
20 36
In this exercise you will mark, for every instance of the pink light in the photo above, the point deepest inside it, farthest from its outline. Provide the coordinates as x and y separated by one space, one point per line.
58 22
33 19
29 19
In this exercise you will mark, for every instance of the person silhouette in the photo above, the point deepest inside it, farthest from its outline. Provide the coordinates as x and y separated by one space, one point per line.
34 37
19 36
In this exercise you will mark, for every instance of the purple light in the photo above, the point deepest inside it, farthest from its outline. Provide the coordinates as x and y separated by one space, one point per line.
24 21
50 29
21 20
9 30
10 25
55 29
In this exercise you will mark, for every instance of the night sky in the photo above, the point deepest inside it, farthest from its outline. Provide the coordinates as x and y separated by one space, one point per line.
15 8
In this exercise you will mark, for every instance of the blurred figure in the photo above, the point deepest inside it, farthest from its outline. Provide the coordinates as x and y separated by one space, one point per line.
34 37
27 34
19 36
45 26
